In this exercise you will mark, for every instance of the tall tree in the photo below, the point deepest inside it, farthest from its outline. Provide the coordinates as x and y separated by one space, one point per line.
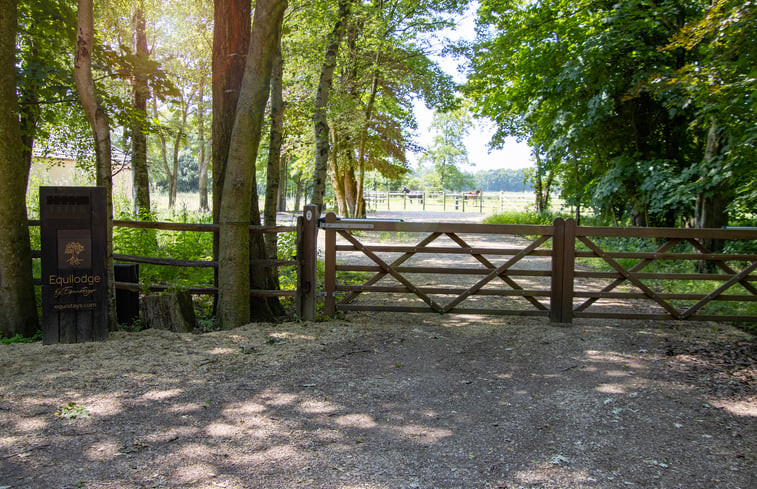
204 156
140 93
98 120
231 40
320 118
18 314
448 153
570 77
233 266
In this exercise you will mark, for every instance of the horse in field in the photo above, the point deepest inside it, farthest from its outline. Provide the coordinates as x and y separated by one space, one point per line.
472 195
413 194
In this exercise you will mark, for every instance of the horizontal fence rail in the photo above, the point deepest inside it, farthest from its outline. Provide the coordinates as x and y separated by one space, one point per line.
647 284
182 263
586 279
561 271
409 287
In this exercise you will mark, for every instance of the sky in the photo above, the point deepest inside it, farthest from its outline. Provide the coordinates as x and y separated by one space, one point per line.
513 155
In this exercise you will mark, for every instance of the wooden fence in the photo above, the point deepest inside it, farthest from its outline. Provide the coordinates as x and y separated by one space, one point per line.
561 271
566 284
175 262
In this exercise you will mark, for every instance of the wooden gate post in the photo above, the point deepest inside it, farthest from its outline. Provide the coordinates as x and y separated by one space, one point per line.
563 263
329 286
307 251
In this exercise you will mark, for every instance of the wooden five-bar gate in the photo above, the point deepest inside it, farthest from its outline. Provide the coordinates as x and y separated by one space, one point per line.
561 271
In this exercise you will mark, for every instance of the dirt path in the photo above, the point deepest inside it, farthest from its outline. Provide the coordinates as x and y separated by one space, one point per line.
386 401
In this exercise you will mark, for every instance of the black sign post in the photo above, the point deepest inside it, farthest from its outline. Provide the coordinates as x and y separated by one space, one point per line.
74 274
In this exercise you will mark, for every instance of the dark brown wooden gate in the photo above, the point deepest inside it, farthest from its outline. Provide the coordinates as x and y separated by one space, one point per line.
561 271
387 273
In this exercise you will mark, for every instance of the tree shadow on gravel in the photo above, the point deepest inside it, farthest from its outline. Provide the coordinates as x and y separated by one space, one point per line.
388 402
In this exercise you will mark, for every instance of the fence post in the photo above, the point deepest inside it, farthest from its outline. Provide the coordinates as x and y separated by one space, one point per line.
307 251
329 307
569 267
555 295
563 262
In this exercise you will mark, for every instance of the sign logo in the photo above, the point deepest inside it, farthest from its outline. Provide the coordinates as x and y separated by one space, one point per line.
73 251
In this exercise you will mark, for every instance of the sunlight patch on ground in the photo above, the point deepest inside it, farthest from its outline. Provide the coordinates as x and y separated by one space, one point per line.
29 425
194 473
355 421
244 409
161 395
104 406
317 407
184 408
423 434
738 408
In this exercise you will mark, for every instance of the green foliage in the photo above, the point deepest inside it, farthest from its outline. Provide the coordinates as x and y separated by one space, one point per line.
525 217
618 98
72 411
22 339
168 244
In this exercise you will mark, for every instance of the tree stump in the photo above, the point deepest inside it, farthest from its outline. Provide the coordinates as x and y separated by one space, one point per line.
172 311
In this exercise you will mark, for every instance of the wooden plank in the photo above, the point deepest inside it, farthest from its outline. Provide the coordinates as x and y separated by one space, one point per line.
513 284
639 266
393 272
558 270
442 291
443 250
495 273
698 233
400 260
569 264
67 327
444 271
712 295
664 276
633 278
196 227
84 326
670 256
639 295
307 250
329 308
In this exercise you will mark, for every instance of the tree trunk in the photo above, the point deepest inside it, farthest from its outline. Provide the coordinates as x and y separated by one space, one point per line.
337 179
18 313
282 205
231 40
140 93
273 174
712 203
204 162
320 120
368 114
298 193
174 182
164 155
98 120
234 217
